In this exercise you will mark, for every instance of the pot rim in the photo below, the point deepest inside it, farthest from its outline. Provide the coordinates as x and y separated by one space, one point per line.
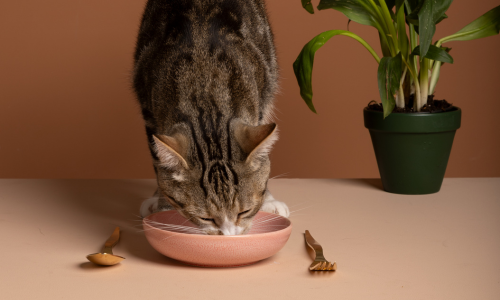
413 122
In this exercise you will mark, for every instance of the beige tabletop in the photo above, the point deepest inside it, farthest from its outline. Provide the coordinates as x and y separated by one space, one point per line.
387 246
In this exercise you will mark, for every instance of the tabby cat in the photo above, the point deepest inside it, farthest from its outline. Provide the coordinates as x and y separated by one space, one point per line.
205 75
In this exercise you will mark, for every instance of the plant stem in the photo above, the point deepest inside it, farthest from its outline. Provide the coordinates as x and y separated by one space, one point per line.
390 23
434 77
413 37
400 98
416 97
390 45
424 82
412 68
384 31
413 63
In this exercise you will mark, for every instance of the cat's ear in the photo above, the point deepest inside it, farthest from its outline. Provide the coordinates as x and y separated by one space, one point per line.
171 150
256 141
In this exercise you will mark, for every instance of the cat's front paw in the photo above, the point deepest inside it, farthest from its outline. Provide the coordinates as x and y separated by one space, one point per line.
149 206
153 205
276 207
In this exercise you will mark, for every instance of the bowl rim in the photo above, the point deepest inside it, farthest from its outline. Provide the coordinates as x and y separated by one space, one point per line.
180 234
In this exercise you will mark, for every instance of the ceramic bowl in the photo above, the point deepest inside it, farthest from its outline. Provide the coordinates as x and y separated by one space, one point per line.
268 235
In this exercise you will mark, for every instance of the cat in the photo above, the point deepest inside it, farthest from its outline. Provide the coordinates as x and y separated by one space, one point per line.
205 75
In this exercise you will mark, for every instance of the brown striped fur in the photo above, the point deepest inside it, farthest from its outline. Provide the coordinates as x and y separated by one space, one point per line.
205 76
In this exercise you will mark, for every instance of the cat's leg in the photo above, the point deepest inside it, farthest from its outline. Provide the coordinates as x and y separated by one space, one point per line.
154 204
274 206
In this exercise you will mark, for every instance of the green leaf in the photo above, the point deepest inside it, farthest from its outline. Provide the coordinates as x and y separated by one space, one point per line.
439 7
484 26
389 76
447 49
426 25
403 43
303 65
385 48
413 18
414 4
414 7
355 10
441 18
435 53
306 4
391 3
393 16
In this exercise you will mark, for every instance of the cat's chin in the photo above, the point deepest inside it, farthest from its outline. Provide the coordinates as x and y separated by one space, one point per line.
225 232
213 232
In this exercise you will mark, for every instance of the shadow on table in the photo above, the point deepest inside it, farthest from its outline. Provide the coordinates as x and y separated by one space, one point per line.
372 182
117 202
88 266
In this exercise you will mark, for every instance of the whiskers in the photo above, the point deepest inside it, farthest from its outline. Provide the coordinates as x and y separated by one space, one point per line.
267 223
293 213
260 224
279 175
176 228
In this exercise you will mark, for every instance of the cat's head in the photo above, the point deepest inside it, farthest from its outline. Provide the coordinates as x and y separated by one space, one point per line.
217 182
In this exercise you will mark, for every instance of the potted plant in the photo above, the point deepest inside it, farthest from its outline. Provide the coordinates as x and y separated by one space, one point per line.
412 133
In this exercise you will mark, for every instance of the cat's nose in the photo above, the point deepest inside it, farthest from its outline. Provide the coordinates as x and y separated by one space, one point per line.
229 228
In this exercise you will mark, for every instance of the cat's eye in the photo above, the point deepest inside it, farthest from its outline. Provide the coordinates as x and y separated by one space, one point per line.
208 220
242 213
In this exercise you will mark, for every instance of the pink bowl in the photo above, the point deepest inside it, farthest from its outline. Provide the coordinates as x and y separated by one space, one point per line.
263 241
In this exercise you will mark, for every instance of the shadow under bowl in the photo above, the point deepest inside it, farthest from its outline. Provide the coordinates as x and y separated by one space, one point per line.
268 235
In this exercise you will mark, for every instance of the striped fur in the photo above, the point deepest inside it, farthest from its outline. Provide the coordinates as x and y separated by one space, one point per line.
205 75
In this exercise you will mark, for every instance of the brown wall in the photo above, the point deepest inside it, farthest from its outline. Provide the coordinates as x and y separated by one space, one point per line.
67 109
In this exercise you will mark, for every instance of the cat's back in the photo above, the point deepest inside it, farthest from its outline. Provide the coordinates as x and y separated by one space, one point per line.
199 55
195 24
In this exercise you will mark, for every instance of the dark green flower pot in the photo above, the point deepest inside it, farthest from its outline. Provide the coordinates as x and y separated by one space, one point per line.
412 149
